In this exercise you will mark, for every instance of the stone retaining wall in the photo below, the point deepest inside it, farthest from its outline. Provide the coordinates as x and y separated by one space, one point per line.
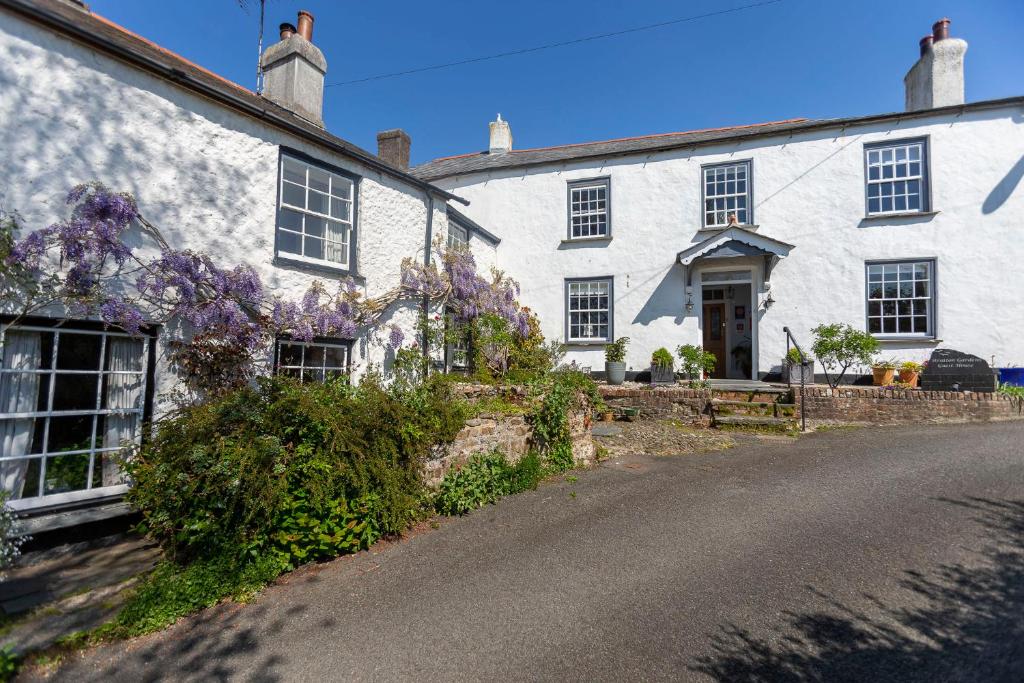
867 405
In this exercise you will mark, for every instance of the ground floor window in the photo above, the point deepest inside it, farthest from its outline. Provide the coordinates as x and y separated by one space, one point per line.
901 298
312 361
589 310
71 401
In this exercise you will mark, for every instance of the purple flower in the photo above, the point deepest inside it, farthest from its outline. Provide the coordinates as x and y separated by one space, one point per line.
396 337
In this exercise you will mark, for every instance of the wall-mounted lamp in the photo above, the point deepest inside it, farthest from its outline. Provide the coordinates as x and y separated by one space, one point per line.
769 300
689 299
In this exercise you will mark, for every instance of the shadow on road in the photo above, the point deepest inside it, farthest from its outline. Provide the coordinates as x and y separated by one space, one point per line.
967 623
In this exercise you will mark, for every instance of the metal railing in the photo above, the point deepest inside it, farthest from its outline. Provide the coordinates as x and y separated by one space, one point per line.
803 374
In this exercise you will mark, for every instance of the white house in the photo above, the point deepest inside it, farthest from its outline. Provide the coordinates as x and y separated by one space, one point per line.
219 169
907 225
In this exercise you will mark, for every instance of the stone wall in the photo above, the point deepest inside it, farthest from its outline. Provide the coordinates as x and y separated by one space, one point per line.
855 405
688 405
510 434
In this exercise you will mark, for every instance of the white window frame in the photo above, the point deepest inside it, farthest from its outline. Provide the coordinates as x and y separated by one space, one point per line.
715 175
575 287
883 165
458 236
90 491
323 368
900 267
348 225
592 211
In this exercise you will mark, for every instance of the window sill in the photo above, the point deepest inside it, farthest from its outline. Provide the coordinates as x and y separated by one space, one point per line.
577 240
603 342
749 227
284 261
906 340
883 217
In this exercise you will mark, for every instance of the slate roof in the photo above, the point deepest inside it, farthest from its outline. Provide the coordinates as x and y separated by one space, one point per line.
105 36
484 161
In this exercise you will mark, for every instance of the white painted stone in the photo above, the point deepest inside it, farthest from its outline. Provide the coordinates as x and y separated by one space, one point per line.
937 78
501 136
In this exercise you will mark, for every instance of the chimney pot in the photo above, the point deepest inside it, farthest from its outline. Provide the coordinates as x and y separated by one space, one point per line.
306 25
393 147
926 44
287 30
940 29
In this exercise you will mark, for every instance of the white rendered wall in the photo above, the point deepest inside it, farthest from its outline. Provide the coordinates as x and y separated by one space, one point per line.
808 190
205 175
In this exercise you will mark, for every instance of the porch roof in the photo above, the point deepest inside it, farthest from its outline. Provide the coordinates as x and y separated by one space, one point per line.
735 242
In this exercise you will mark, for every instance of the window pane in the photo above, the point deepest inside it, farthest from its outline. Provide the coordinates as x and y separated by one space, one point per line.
340 209
341 187
334 357
293 195
315 226
291 220
79 351
70 433
317 202
289 354
66 473
289 242
294 171
319 180
75 392
314 247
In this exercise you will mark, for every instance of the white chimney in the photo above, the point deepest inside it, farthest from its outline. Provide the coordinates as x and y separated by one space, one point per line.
293 71
937 79
501 137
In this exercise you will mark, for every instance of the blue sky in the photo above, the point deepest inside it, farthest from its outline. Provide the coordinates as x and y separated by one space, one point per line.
794 58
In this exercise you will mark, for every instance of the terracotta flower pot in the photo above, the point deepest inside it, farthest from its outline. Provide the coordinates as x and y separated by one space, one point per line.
883 376
909 377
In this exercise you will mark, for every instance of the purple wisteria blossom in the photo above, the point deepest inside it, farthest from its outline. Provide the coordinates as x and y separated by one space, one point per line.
396 337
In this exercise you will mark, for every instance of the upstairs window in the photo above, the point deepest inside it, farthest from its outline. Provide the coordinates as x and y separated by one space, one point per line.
901 298
589 208
897 177
458 236
589 310
727 192
315 214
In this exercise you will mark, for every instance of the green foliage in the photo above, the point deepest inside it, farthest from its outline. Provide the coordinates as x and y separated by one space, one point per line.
696 361
662 358
842 346
305 532
172 591
1015 393
484 480
616 351
219 478
494 405
884 364
559 393
9 663
793 356
500 354
911 366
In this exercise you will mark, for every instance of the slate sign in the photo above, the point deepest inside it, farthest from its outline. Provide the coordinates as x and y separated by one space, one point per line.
950 370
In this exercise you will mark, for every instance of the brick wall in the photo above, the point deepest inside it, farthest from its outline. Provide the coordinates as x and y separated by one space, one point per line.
893 406
688 405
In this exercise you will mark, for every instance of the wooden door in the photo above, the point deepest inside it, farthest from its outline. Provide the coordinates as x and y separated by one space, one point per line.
714 336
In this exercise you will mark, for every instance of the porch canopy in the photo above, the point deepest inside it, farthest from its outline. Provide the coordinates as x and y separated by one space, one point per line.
732 243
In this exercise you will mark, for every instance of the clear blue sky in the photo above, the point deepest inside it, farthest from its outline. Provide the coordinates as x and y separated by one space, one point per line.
795 58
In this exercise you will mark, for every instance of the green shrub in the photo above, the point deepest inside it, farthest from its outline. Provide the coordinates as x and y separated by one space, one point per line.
305 533
793 356
484 480
220 478
10 663
841 346
616 351
696 361
662 358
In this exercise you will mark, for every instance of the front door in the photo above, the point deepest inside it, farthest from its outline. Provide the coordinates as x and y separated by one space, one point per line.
714 336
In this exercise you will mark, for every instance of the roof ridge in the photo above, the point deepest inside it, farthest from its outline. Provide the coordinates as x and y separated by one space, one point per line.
798 119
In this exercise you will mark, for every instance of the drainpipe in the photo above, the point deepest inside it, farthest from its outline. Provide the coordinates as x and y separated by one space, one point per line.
426 298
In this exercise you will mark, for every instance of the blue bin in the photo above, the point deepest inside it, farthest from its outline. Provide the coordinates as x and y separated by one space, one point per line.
1014 376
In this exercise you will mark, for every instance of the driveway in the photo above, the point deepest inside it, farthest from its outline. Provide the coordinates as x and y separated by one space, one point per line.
871 554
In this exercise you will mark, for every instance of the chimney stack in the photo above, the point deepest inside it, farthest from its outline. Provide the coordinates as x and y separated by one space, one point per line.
294 69
501 137
937 79
393 147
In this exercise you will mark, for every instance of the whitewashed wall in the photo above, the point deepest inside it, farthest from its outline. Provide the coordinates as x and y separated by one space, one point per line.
808 190
205 175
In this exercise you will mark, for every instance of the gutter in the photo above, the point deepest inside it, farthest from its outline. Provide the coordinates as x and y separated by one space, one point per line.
179 77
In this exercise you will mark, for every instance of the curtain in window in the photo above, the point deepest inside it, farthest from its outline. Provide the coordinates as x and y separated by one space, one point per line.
124 392
334 249
19 393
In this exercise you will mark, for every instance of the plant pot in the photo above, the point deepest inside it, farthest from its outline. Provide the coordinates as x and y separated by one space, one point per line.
662 376
792 372
883 376
608 417
909 377
615 373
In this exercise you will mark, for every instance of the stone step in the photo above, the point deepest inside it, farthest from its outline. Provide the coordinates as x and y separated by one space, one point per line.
753 421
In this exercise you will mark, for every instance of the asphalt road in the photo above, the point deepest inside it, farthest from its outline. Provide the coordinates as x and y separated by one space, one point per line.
873 554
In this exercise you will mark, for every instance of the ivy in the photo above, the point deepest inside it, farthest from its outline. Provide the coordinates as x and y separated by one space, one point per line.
560 393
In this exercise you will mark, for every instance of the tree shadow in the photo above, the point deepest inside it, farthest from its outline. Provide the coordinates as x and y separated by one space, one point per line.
967 623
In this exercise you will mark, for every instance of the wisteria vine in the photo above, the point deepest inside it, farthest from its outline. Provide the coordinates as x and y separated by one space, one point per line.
85 266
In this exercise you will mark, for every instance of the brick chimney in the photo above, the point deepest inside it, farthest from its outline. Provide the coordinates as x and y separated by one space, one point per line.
937 79
393 147
501 137
293 71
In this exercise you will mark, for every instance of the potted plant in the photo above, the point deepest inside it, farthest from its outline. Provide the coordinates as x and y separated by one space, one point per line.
793 370
910 372
883 372
662 368
615 361
696 362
